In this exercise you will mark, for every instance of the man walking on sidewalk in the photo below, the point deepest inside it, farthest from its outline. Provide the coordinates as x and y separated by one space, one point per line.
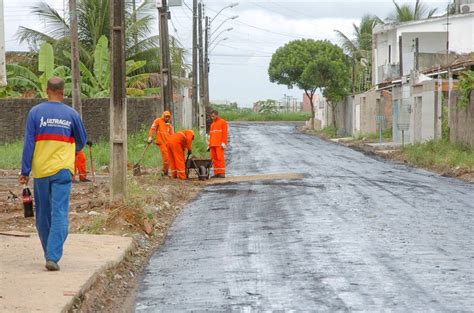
54 133
218 144
162 129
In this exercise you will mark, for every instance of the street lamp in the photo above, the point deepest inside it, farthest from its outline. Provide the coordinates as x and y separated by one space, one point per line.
226 7
217 36
217 43
220 25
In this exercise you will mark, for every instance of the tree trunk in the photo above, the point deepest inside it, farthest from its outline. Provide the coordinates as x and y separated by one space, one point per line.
312 112
333 109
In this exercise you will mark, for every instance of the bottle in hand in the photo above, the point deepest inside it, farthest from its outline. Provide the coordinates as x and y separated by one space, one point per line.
27 202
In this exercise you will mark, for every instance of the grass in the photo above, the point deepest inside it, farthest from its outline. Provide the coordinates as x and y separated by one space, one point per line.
386 134
440 153
231 113
10 154
326 132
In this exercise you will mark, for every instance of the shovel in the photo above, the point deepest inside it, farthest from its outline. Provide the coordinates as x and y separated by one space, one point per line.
136 168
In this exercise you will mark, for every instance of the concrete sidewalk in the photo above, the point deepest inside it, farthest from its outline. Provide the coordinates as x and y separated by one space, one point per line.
26 286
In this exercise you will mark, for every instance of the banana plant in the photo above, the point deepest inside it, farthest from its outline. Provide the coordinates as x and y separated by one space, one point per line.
23 81
96 83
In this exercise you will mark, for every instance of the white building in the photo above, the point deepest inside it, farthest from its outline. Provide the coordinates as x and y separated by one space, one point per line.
421 45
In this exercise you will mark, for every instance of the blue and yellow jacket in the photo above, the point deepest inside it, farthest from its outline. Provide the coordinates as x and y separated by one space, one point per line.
54 133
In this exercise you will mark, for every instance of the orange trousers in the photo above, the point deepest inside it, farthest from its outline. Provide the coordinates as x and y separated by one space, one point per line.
164 158
176 160
80 165
218 160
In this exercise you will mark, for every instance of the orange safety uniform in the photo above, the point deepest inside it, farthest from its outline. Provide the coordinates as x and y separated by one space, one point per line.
163 131
177 143
80 166
218 136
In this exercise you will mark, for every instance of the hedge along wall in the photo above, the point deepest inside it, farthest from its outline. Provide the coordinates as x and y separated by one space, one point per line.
95 113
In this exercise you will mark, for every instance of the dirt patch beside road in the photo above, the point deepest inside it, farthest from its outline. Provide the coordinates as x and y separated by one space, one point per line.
152 205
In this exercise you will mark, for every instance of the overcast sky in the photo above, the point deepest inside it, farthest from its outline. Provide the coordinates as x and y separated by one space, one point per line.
239 64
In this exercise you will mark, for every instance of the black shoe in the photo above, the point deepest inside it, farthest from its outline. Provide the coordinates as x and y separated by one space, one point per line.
85 180
52 266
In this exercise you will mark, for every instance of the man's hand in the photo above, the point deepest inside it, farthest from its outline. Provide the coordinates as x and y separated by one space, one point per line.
149 140
189 153
23 180
89 143
224 146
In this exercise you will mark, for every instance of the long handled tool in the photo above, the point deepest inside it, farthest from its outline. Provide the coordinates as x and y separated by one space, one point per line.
94 182
136 168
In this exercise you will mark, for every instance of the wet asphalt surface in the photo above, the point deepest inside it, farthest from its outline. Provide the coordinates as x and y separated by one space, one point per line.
357 233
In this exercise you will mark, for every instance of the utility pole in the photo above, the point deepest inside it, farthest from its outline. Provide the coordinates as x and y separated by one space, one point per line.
166 76
195 109
206 64
3 70
118 103
75 69
201 122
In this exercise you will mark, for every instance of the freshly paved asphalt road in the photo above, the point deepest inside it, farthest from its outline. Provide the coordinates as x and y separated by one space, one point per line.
356 234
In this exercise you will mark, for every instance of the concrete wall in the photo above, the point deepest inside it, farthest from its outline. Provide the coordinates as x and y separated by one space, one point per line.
344 117
462 122
366 107
417 111
141 111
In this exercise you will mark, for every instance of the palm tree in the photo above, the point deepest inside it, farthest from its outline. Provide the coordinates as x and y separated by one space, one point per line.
407 13
359 49
93 22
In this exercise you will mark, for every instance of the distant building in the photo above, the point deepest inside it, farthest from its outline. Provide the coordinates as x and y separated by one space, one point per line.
321 109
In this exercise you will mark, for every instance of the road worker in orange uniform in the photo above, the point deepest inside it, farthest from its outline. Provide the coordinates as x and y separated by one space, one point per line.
218 144
80 167
177 144
162 129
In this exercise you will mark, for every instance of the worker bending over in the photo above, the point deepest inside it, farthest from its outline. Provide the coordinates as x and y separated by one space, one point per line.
177 144
162 129
218 144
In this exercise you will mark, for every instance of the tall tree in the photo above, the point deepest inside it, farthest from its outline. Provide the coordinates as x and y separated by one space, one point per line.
407 13
359 48
311 65
93 20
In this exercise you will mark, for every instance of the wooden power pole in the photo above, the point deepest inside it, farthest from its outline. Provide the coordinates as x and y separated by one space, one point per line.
75 69
195 108
166 75
118 103
201 121
206 64
3 71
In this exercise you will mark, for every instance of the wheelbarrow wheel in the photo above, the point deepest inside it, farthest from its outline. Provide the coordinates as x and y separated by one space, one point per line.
202 172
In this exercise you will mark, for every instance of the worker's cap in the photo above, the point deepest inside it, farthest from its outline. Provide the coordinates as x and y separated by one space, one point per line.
166 113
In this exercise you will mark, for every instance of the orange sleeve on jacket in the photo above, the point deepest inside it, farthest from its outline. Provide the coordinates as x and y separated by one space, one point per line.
153 127
224 131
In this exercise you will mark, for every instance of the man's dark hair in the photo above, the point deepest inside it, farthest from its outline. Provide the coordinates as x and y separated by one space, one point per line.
214 112
55 84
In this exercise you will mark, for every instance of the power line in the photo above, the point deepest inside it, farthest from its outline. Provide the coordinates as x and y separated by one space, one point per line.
242 55
259 28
